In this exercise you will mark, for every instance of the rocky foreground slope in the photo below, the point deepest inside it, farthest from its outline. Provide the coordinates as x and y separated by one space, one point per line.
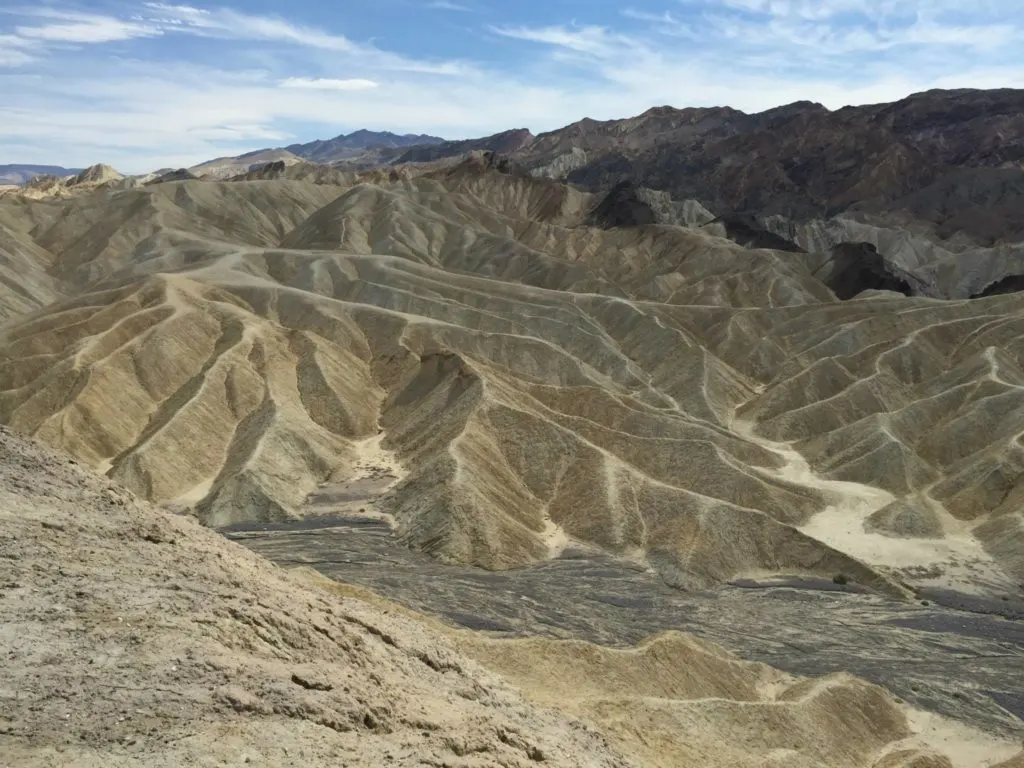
131 636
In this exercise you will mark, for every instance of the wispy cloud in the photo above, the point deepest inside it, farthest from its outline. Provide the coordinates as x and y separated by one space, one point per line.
664 23
227 23
824 39
593 40
447 5
16 51
73 27
157 19
14 58
803 9
328 84
838 27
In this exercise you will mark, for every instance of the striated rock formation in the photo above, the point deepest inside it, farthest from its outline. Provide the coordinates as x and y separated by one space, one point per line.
667 395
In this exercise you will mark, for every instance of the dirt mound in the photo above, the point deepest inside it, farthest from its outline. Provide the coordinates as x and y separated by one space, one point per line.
909 518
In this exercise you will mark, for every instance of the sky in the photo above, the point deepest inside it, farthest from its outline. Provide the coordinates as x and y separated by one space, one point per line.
147 85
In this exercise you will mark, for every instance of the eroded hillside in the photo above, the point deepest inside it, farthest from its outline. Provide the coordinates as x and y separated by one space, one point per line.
667 395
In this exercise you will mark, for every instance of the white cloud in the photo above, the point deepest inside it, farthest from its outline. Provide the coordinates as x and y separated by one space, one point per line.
592 40
328 84
840 27
979 36
809 9
225 22
447 5
221 23
665 23
819 10
185 10
14 58
16 51
229 24
82 28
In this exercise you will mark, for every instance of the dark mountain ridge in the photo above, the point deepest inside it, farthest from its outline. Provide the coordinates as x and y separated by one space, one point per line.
356 143
800 160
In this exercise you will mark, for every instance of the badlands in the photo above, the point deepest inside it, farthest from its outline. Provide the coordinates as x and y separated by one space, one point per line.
543 483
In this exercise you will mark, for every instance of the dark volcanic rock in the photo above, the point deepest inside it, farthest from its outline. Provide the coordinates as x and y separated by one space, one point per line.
948 158
858 267
983 205
311 172
1009 284
623 207
502 143
745 231
957 656
274 170
477 163
499 162
181 174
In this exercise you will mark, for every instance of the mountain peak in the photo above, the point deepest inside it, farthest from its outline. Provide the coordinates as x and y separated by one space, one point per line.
96 174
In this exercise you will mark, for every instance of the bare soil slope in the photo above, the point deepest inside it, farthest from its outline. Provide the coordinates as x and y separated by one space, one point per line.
131 636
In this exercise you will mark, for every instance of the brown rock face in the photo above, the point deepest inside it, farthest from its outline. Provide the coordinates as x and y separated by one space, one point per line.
803 160
949 158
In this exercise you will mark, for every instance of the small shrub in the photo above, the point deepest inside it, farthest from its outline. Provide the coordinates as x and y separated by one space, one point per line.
840 578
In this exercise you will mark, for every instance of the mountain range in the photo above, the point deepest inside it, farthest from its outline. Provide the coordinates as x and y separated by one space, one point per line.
932 183
19 174
357 143
359 150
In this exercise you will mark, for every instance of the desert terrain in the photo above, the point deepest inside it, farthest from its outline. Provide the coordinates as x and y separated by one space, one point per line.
578 473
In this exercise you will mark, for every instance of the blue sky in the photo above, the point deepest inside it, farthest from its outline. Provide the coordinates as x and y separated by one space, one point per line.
143 85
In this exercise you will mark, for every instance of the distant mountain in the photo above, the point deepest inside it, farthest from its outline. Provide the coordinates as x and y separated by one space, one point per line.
359 150
226 167
48 185
934 183
354 144
19 174
506 142
950 158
